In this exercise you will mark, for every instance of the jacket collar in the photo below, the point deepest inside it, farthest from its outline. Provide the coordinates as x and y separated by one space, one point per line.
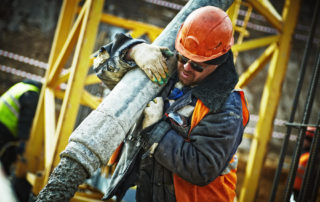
215 89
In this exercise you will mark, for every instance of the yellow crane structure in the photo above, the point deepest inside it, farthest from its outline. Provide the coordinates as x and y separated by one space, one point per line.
74 40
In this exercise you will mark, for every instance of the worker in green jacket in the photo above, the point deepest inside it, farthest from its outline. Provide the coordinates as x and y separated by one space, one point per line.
17 109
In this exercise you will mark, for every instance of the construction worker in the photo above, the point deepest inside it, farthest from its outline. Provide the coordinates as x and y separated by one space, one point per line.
17 109
303 161
184 149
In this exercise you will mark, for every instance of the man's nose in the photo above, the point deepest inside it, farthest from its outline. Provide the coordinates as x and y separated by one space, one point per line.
187 66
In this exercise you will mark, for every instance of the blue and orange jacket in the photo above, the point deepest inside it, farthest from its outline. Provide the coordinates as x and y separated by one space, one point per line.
199 172
223 187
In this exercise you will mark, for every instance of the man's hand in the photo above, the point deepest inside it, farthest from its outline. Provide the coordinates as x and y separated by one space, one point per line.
151 59
153 112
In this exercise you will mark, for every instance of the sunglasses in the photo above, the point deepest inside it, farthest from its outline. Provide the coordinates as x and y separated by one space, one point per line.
185 60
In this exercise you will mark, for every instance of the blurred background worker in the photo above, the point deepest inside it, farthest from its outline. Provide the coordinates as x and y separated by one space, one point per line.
303 161
17 109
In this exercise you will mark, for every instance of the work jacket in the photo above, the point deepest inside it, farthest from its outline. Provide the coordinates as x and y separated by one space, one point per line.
191 163
17 108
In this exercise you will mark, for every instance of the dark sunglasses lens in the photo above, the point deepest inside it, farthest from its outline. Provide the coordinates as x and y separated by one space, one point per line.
196 67
184 60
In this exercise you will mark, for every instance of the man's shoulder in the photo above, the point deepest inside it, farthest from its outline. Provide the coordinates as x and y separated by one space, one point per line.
233 100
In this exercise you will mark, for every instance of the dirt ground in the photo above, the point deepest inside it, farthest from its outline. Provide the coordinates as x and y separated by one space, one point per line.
265 182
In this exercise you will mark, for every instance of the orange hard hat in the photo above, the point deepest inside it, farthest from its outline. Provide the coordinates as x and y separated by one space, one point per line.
205 35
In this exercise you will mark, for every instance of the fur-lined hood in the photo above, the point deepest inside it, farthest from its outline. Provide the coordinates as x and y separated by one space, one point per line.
215 89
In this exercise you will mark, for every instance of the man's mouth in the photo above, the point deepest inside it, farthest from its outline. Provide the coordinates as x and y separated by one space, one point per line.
185 74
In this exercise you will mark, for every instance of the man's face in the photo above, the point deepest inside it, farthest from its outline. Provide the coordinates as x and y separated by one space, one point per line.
189 76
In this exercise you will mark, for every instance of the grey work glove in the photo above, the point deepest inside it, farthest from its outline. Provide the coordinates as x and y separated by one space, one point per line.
153 112
152 60
113 73
64 181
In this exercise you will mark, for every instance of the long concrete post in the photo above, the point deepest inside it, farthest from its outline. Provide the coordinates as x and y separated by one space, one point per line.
93 142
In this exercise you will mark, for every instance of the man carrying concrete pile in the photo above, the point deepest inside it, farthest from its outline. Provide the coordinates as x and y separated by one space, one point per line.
184 149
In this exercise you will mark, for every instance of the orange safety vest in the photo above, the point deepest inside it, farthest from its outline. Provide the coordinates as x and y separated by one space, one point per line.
300 172
223 187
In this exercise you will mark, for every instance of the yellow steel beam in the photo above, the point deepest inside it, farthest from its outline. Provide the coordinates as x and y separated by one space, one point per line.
79 69
59 94
248 136
268 106
66 49
83 101
151 30
271 9
255 43
267 10
153 35
245 22
35 142
90 100
50 123
136 33
83 33
34 180
63 78
65 21
233 11
91 79
242 31
256 66
285 9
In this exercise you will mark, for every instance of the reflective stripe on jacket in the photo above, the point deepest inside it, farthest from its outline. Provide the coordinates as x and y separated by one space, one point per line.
300 172
223 187
10 105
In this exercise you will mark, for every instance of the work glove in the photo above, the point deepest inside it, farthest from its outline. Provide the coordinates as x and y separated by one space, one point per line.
153 112
110 71
152 60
